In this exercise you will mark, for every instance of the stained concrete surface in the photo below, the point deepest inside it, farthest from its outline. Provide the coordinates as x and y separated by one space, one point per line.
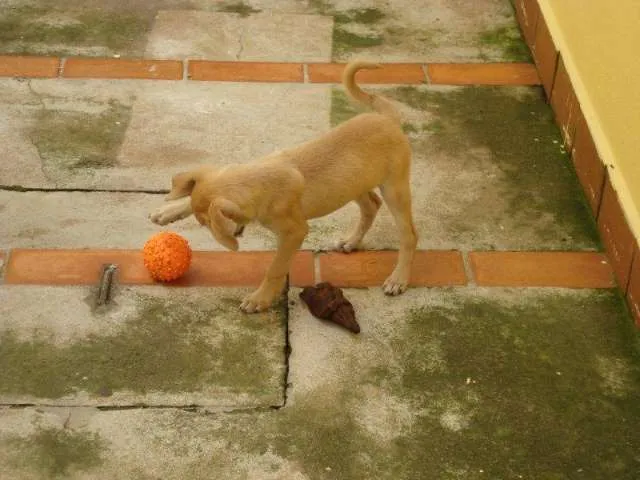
497 147
444 30
153 346
445 383
455 383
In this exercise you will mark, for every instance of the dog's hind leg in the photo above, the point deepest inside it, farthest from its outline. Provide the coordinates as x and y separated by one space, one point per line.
369 204
397 196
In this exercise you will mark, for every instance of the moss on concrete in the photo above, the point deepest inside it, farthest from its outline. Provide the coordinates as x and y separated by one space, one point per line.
517 127
527 375
241 8
73 140
56 453
342 108
490 385
508 42
164 346
364 16
28 29
346 41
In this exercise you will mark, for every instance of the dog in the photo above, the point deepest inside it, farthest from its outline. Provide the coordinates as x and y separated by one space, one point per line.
285 189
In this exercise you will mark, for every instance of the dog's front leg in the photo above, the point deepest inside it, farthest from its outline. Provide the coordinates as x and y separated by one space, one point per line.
290 233
172 211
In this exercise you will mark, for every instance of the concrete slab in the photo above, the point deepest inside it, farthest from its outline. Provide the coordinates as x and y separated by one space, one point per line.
496 147
150 346
99 220
137 134
492 383
272 37
399 31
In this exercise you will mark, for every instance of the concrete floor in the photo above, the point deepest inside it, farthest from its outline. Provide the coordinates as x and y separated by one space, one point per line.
175 383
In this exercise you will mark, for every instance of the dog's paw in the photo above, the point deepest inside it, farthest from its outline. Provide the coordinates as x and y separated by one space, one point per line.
346 246
170 212
160 217
256 302
395 285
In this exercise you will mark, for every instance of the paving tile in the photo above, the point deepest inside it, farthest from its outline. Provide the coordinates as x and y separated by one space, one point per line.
423 374
589 168
83 267
527 12
122 68
259 37
135 135
176 127
633 292
483 74
365 269
29 67
616 235
542 269
408 73
545 55
150 345
565 104
434 365
245 71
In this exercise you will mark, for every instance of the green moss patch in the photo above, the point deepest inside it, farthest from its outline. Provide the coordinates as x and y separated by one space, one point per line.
58 453
508 41
73 140
518 129
28 29
497 384
164 347
241 8
523 383
342 108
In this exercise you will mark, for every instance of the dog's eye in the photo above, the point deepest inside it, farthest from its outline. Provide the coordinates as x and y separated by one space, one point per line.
239 230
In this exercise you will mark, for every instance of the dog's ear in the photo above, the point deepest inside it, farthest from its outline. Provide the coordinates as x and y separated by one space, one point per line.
181 185
224 215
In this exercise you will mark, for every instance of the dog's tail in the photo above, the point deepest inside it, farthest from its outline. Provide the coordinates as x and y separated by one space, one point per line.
377 102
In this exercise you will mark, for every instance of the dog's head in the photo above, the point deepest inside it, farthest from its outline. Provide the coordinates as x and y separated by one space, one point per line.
224 218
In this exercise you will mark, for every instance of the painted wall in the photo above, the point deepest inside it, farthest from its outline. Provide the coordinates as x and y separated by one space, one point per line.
600 43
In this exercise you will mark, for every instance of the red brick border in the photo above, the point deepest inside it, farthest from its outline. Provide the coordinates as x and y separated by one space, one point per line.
390 73
431 268
245 71
83 267
542 269
122 68
30 67
367 269
223 71
483 74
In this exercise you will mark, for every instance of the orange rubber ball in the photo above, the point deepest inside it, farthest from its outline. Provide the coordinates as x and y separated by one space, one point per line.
167 256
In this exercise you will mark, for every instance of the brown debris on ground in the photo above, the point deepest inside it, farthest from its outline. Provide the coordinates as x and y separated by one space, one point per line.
328 303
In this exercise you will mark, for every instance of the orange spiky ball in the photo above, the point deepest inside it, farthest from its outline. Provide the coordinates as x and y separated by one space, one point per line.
167 256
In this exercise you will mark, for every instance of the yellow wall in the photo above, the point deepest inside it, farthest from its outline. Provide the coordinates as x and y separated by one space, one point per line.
600 44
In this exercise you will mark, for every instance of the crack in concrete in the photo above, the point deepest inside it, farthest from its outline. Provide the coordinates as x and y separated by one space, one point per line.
43 108
21 189
241 44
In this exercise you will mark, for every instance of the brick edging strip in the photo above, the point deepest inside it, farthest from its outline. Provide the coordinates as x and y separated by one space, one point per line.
431 268
83 267
225 71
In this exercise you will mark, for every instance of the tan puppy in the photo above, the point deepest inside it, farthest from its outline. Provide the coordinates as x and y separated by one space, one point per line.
285 189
